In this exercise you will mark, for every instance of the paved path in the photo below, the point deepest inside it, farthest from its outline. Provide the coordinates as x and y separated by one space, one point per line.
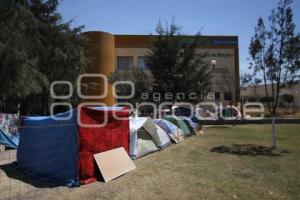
7 157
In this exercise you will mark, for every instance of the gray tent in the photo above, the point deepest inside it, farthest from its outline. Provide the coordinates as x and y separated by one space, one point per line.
145 138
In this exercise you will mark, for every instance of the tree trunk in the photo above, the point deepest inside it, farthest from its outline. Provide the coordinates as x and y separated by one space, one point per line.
274 140
267 94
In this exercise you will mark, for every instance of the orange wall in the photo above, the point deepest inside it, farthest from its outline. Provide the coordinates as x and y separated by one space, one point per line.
102 57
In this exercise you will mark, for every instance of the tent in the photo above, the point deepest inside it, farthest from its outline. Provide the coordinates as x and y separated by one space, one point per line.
9 130
175 133
96 139
192 125
48 148
180 124
61 151
161 137
144 137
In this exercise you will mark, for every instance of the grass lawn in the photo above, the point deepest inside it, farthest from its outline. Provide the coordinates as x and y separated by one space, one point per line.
189 170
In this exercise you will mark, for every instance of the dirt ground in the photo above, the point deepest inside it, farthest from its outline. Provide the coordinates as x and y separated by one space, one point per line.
189 170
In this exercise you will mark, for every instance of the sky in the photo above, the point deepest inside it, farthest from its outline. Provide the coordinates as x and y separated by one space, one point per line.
210 17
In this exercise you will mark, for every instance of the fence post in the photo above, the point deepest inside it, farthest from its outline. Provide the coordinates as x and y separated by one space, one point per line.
4 102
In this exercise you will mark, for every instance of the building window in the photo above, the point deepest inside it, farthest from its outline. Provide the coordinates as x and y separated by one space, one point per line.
217 96
124 62
142 63
227 96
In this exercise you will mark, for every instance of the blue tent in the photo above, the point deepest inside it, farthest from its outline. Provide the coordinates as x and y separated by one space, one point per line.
175 133
9 130
48 148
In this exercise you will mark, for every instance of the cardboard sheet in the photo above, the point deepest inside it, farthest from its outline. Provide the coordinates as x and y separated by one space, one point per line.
114 163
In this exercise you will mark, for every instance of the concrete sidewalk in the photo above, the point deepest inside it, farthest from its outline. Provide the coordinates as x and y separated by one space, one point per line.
7 156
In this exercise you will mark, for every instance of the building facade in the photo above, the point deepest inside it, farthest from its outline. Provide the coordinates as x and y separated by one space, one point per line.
121 52
256 92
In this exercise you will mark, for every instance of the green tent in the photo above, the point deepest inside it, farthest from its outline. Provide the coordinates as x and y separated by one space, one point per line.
180 123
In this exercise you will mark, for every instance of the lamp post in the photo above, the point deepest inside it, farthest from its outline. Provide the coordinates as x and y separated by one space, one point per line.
213 63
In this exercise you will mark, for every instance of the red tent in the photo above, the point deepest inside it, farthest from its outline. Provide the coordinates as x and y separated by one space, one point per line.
94 140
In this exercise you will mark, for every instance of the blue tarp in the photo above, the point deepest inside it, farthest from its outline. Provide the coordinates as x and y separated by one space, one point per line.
48 148
10 141
9 130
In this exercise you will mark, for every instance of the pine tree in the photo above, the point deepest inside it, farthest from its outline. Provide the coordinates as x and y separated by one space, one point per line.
175 66
141 79
37 48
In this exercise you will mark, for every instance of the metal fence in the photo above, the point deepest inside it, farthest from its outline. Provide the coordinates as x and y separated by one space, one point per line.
32 105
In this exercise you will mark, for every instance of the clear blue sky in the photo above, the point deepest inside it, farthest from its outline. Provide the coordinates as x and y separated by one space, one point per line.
212 17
